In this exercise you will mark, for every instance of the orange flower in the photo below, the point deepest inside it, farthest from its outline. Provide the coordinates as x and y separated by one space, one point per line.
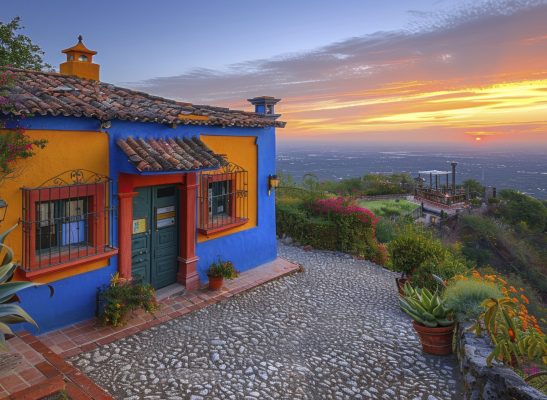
515 300
512 290
525 299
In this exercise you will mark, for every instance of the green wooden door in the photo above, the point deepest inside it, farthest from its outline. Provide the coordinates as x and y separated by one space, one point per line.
155 235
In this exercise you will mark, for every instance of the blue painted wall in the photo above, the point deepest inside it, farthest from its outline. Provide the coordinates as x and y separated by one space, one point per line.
75 297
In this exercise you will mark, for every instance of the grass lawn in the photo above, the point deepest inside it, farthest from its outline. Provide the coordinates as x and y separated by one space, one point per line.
387 208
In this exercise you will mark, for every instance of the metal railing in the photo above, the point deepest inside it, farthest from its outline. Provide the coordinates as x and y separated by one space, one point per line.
223 198
66 219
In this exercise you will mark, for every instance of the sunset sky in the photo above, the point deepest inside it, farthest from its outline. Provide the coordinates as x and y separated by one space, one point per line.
428 71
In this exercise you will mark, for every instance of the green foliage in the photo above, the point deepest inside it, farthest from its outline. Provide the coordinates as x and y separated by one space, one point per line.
488 241
10 312
385 230
18 50
412 247
465 297
293 220
426 308
445 267
121 297
370 185
511 340
388 208
474 187
518 209
222 269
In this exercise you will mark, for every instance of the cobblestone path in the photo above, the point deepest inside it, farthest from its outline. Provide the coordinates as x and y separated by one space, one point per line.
332 332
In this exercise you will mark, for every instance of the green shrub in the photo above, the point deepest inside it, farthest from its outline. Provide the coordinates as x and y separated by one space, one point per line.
465 296
122 297
412 247
222 269
385 230
296 222
445 268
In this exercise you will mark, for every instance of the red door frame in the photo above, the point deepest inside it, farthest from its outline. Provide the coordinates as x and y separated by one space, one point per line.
187 184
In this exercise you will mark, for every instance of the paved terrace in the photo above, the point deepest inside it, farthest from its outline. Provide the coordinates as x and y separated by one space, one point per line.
333 332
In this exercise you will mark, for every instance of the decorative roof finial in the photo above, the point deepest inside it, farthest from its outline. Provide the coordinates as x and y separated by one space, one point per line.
80 38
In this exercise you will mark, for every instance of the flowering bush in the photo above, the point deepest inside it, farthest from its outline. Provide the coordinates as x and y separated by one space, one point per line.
355 226
516 334
341 206
123 296
14 144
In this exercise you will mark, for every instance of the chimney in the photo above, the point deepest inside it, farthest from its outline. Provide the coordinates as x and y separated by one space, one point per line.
79 62
265 105
454 164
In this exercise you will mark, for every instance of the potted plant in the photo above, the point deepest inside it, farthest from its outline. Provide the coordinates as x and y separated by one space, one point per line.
433 319
218 271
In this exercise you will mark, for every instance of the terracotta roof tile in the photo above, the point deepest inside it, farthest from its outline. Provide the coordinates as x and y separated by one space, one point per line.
49 93
171 154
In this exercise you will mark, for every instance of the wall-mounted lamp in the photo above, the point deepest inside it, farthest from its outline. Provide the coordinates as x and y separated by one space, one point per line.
3 209
106 124
273 182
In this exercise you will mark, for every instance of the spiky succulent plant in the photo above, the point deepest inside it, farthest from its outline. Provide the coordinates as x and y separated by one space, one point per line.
426 308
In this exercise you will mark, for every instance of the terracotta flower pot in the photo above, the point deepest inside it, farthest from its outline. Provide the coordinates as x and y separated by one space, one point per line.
215 282
436 341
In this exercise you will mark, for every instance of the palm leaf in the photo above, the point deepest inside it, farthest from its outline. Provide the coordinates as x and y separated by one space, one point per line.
7 290
3 235
15 312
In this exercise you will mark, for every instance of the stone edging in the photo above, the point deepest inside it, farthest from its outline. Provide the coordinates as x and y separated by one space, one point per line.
482 382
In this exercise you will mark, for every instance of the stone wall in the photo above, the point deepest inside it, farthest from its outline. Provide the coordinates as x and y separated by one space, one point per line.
488 383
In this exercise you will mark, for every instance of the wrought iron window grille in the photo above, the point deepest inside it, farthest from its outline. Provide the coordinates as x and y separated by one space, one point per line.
67 218
223 198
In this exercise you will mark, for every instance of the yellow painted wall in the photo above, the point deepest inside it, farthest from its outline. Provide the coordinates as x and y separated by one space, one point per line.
66 150
240 150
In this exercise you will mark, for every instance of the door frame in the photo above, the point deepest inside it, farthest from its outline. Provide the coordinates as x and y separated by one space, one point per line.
187 185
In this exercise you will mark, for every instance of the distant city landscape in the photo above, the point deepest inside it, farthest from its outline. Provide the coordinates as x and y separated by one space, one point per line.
527 173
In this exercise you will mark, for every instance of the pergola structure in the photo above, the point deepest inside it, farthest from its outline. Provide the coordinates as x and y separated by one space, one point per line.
435 187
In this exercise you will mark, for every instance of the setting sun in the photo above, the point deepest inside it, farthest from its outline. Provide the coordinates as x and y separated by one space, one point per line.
478 139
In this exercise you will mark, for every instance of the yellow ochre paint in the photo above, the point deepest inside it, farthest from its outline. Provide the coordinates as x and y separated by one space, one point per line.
240 150
65 151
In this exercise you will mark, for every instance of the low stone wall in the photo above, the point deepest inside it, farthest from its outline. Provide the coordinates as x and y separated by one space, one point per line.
488 383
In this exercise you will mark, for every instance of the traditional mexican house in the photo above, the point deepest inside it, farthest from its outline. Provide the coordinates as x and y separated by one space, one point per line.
152 188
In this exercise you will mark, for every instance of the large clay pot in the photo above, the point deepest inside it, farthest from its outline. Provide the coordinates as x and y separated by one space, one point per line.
436 341
215 282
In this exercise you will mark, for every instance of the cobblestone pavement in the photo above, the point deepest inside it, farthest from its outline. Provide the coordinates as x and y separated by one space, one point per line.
332 332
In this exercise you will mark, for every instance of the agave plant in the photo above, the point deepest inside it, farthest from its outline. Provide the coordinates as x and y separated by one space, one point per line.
426 308
10 312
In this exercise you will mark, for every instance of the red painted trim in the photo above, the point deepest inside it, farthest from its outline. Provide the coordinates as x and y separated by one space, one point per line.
70 264
231 225
96 206
187 259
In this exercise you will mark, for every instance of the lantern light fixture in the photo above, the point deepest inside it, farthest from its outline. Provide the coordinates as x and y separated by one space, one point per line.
273 182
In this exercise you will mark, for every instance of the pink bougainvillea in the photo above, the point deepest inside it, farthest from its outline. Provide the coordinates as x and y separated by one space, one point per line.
343 206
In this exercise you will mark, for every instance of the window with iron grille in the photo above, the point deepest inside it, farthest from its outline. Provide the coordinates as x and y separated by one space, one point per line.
223 199
65 220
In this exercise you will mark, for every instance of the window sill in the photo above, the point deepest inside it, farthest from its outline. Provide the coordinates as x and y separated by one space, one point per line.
212 230
69 264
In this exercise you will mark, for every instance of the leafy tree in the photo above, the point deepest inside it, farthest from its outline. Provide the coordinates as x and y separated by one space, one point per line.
474 187
18 50
523 211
